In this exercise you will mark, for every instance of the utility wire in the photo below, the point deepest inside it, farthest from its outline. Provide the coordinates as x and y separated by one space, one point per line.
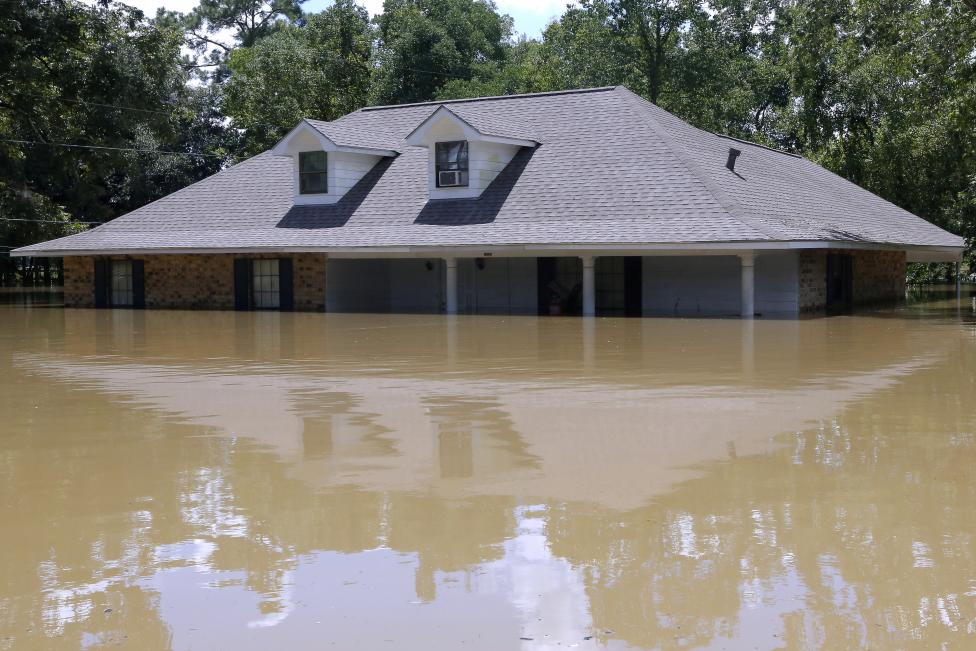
124 108
435 72
144 151
47 221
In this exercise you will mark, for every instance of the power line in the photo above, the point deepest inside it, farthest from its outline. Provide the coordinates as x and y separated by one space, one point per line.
124 108
47 221
435 72
73 146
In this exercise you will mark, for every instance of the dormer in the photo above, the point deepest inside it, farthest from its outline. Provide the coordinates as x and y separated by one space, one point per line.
467 150
330 159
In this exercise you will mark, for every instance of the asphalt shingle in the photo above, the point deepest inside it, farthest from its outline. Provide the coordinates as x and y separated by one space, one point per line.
611 169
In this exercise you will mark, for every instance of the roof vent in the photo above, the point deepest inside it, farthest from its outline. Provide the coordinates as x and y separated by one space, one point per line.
733 154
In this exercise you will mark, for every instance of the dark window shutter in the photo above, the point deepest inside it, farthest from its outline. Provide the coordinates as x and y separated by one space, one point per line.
633 286
286 285
546 273
242 285
103 275
138 284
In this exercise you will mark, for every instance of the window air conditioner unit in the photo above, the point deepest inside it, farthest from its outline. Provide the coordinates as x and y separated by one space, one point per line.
449 179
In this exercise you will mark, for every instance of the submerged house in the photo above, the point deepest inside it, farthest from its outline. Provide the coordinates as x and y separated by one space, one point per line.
580 202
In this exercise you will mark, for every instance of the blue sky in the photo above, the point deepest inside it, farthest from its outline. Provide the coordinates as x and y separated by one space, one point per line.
531 16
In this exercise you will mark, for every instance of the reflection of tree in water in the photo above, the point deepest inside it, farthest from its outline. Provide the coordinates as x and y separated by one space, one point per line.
85 573
223 505
857 532
449 535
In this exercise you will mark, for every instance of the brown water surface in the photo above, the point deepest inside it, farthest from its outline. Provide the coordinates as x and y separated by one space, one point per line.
181 480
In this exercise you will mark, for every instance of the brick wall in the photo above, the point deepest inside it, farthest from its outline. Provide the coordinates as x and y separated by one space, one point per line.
196 282
309 282
813 280
879 276
79 282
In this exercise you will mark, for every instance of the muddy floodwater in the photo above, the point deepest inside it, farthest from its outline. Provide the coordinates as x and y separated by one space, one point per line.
204 480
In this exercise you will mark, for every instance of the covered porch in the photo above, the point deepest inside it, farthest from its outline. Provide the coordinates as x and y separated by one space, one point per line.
744 283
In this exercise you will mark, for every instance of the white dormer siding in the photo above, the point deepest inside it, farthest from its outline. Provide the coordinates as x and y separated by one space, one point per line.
345 166
485 161
344 171
487 155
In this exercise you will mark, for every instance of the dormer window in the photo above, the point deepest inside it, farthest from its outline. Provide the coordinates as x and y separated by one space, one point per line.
313 172
452 164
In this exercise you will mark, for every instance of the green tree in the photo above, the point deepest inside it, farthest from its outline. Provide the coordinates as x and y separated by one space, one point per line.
884 93
318 70
101 79
248 21
653 30
584 48
424 44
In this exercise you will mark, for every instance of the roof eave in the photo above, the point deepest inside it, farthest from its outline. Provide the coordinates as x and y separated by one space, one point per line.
416 138
916 252
328 144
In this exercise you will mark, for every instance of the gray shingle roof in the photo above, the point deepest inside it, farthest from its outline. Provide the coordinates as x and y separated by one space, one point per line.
350 135
611 169
482 118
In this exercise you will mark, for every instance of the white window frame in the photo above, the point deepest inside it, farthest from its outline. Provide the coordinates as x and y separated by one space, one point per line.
463 169
121 283
266 284
303 173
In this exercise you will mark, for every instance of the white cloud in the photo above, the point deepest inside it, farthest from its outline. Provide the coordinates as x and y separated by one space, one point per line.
149 7
182 6
540 8
372 6
530 16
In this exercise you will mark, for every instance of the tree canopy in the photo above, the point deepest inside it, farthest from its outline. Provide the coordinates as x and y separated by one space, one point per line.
882 92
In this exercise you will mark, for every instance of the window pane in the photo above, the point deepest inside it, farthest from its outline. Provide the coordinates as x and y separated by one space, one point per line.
314 183
312 161
122 283
265 285
453 154
452 157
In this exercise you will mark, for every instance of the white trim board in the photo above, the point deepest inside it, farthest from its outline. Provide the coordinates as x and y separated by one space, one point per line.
916 253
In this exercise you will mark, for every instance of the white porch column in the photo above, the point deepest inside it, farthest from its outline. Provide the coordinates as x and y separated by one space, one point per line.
748 260
958 281
450 265
589 285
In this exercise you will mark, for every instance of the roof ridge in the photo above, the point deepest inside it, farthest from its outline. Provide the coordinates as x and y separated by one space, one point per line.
720 195
490 98
756 144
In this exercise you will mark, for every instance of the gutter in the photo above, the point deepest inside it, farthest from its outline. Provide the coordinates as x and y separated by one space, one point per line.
916 252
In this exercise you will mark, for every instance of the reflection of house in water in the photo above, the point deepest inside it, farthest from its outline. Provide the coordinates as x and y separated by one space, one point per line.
345 410
348 447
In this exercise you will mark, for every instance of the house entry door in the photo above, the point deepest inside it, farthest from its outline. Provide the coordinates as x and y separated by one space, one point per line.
840 281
